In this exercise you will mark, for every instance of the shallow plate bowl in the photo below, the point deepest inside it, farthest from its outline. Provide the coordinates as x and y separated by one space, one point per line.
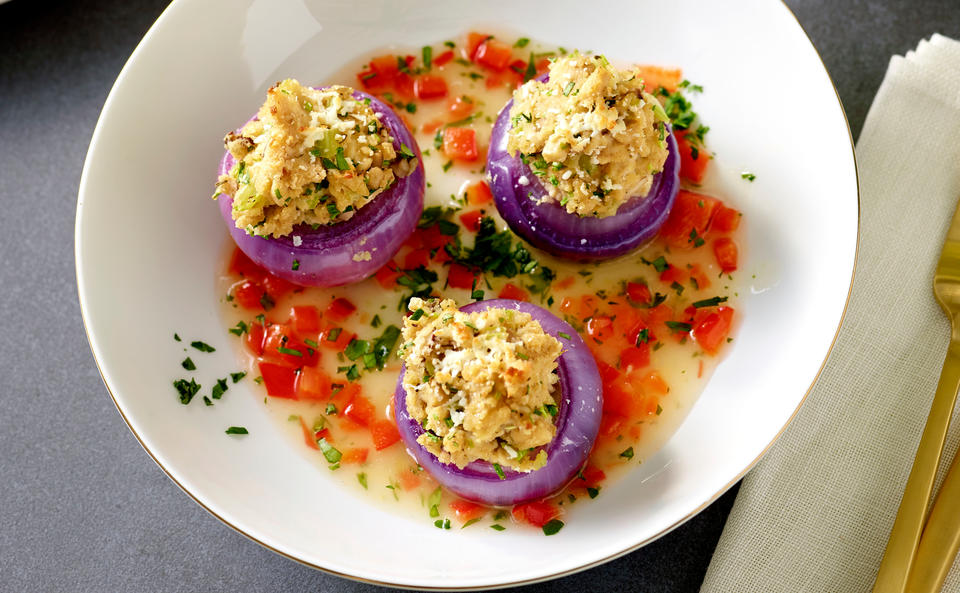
149 239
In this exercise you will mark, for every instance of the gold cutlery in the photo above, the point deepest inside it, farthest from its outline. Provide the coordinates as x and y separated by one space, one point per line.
899 556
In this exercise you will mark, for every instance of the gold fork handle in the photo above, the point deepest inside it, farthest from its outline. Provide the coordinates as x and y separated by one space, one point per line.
941 537
907 527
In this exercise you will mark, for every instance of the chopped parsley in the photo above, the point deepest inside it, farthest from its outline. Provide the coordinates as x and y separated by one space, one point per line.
643 336
748 176
711 302
564 335
295 265
362 478
237 376
219 388
188 364
186 390
497 527
679 326
593 492
552 527
237 430
240 329
522 42
330 453
290 351
427 53
627 453
202 347
499 470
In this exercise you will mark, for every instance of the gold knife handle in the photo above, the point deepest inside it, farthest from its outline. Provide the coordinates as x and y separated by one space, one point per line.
941 537
907 527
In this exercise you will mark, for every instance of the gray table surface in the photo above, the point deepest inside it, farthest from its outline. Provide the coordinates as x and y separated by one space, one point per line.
82 506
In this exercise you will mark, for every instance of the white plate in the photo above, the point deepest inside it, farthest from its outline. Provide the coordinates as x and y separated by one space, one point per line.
148 241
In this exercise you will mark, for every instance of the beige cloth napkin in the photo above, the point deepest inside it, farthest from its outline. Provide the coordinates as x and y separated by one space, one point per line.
815 513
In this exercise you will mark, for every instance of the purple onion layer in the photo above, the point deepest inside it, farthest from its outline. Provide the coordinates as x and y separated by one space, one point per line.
347 251
548 226
577 421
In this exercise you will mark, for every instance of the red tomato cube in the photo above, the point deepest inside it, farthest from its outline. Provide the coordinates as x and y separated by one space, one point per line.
725 250
280 381
429 86
493 54
460 144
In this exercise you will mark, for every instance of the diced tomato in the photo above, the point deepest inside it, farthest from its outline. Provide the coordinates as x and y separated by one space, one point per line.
479 194
725 251
565 283
650 383
460 144
343 393
409 480
725 220
335 338
635 357
354 456
473 44
618 400
638 293
306 319
471 220
690 215
459 276
441 256
416 258
433 238
611 424
384 433
403 84
655 77
339 309
314 384
693 160
712 332
466 510
600 328
542 65
249 295
588 306
254 338
608 373
493 54
360 410
590 477
388 274
460 108
674 274
510 291
443 58
656 320
386 66
374 82
282 347
697 275
429 86
277 287
280 381
537 513
242 265
431 126
308 435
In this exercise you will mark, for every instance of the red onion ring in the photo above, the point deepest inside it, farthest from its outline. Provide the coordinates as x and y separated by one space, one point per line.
326 255
550 227
578 422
